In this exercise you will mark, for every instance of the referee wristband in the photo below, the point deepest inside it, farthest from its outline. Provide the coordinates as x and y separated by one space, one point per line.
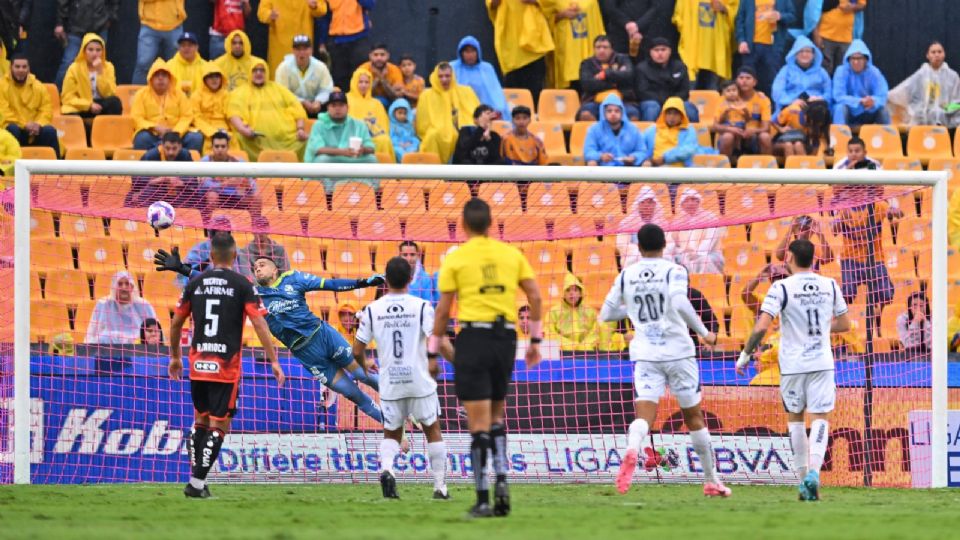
535 341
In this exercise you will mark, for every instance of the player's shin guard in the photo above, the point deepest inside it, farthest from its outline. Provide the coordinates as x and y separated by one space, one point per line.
819 435
704 449
438 463
208 452
479 446
346 387
637 435
799 443
388 451
498 434
370 379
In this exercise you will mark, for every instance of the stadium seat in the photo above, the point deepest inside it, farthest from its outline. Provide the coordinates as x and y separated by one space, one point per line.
304 196
125 92
548 199
501 127
594 258
503 198
70 130
448 198
432 227
743 259
796 199
734 233
67 285
642 126
704 136
519 96
421 158
383 157
928 142
380 226
768 234
128 154
323 224
713 287
195 155
757 162
578 135
805 162
85 154
914 232
102 283
551 290
520 227
161 290
402 197
323 305
47 319
952 166
108 192
82 314
304 254
354 198
349 259
706 103
546 257
278 156
61 191
74 228
41 225
54 98
901 164
435 252
558 106
595 288
38 152
100 254
717 161
112 132
598 199
882 141
899 262
576 226
269 190
747 201
140 253
551 134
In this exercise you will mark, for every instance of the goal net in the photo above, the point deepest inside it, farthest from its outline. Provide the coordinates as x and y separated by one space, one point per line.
101 407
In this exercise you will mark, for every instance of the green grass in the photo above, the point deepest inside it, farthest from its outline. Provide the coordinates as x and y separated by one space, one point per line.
337 512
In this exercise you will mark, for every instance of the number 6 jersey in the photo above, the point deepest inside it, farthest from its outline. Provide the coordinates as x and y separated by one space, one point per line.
806 303
647 289
400 324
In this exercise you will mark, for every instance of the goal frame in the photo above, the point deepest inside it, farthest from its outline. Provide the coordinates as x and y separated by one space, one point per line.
25 169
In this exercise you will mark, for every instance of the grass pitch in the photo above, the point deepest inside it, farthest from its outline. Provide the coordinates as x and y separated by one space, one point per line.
339 512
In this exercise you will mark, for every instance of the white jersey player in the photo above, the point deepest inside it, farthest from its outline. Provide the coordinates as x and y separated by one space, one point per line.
810 307
400 323
652 292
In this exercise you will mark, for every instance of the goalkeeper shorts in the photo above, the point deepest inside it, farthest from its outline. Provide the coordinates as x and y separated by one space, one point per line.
325 353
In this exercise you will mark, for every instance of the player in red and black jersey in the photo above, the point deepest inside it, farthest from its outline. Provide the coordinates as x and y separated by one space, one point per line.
219 300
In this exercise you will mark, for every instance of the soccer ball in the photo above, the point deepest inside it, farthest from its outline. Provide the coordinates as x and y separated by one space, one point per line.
160 215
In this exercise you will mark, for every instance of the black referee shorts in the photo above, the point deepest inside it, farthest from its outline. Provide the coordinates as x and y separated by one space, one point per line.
216 399
483 363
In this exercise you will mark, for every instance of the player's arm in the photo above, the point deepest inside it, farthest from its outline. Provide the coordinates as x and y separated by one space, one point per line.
175 367
530 288
364 336
694 322
756 336
170 262
841 324
266 339
613 308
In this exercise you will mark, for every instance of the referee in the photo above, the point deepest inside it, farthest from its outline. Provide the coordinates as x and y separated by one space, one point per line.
484 275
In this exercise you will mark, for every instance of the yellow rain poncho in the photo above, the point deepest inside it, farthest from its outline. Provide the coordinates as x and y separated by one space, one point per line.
210 109
173 109
190 74
29 102
77 94
573 39
272 111
706 36
236 70
521 34
295 18
441 113
9 152
576 326
370 110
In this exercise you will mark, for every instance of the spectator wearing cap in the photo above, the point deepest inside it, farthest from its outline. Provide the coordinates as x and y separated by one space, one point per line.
337 137
266 115
198 258
262 246
305 76
161 25
228 17
606 72
660 76
387 78
349 37
761 32
187 65
470 70
286 19
160 107
25 107
229 192
74 20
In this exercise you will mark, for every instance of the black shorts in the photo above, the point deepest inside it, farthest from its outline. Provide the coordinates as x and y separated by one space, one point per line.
216 399
483 363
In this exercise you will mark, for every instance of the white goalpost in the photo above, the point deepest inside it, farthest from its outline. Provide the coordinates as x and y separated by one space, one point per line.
27 170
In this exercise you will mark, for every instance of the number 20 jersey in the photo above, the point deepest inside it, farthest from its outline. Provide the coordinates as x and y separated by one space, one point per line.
646 288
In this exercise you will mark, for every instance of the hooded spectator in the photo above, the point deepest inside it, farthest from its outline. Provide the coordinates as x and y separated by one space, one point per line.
117 318
445 97
90 85
613 141
402 133
696 244
237 62
160 107
859 89
672 141
645 209
266 115
929 97
470 70
802 74
364 106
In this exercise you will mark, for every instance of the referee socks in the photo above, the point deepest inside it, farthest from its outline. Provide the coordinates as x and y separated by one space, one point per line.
479 445
498 434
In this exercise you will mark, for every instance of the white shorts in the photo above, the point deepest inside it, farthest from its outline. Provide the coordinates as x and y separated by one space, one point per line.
812 392
425 410
650 380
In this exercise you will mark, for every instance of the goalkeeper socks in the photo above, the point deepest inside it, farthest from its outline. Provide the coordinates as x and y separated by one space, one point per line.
195 442
704 450
819 434
438 463
498 434
388 451
798 441
370 379
346 387
209 450
637 435
478 455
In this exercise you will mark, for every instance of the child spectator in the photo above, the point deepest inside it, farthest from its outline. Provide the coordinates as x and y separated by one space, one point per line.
478 144
913 325
672 141
730 123
519 146
576 325
151 333
413 84
402 133
803 129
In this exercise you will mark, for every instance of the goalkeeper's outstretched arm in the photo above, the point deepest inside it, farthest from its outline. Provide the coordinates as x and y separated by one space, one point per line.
316 283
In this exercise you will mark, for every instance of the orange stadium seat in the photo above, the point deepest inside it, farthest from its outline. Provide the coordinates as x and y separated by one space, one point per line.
303 253
379 226
329 225
502 127
74 228
520 227
354 198
928 142
952 166
839 136
349 258
546 257
102 284
125 93
140 253
109 192
503 198
112 132
70 130
128 154
704 137
100 254
706 103
161 290
48 318
714 287
402 197
284 222
598 199
303 196
796 198
54 98
748 200
548 199
519 96
757 162
902 164
578 135
421 158
383 157
433 228
594 258
41 225
81 319
575 226
899 262
64 191
38 152
559 106
805 162
269 190
85 153
278 156
642 126
767 234
435 252
448 198
914 231
882 141
67 285
551 134
743 259
717 161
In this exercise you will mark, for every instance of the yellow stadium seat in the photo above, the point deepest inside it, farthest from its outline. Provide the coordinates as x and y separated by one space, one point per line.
54 98
928 142
551 134
38 152
284 222
329 225
349 259
840 135
47 319
128 154
322 304
100 255
269 190
899 262
575 226
503 198
112 132
717 161
383 157
36 291
435 252
598 199
66 285
278 156
796 199
85 154
161 290
952 166
41 225
706 103
109 192
519 96
914 232
502 127
902 164
435 228
140 253
757 162
713 286
379 226
882 141
594 258
354 198
421 158
63 191
743 259
402 197
546 257
559 106
102 284
195 155
704 137
518 227
748 200
50 254
448 198
70 130
596 287
125 92
641 125
303 253
548 199
304 196
74 228
578 135
81 319
767 234
805 162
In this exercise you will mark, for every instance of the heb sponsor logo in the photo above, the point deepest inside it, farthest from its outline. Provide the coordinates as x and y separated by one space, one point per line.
206 366
83 433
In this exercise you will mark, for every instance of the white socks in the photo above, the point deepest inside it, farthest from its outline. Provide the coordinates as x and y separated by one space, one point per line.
799 443
197 483
438 463
819 435
388 451
704 450
637 435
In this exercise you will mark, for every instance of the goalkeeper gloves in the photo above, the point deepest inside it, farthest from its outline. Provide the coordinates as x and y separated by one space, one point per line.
373 281
171 262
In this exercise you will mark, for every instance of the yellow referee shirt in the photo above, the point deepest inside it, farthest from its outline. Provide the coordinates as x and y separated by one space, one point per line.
485 274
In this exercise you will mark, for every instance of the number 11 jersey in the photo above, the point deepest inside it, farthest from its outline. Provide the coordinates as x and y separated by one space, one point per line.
806 303
647 288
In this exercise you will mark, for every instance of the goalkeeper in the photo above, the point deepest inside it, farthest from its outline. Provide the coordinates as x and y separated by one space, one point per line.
321 349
